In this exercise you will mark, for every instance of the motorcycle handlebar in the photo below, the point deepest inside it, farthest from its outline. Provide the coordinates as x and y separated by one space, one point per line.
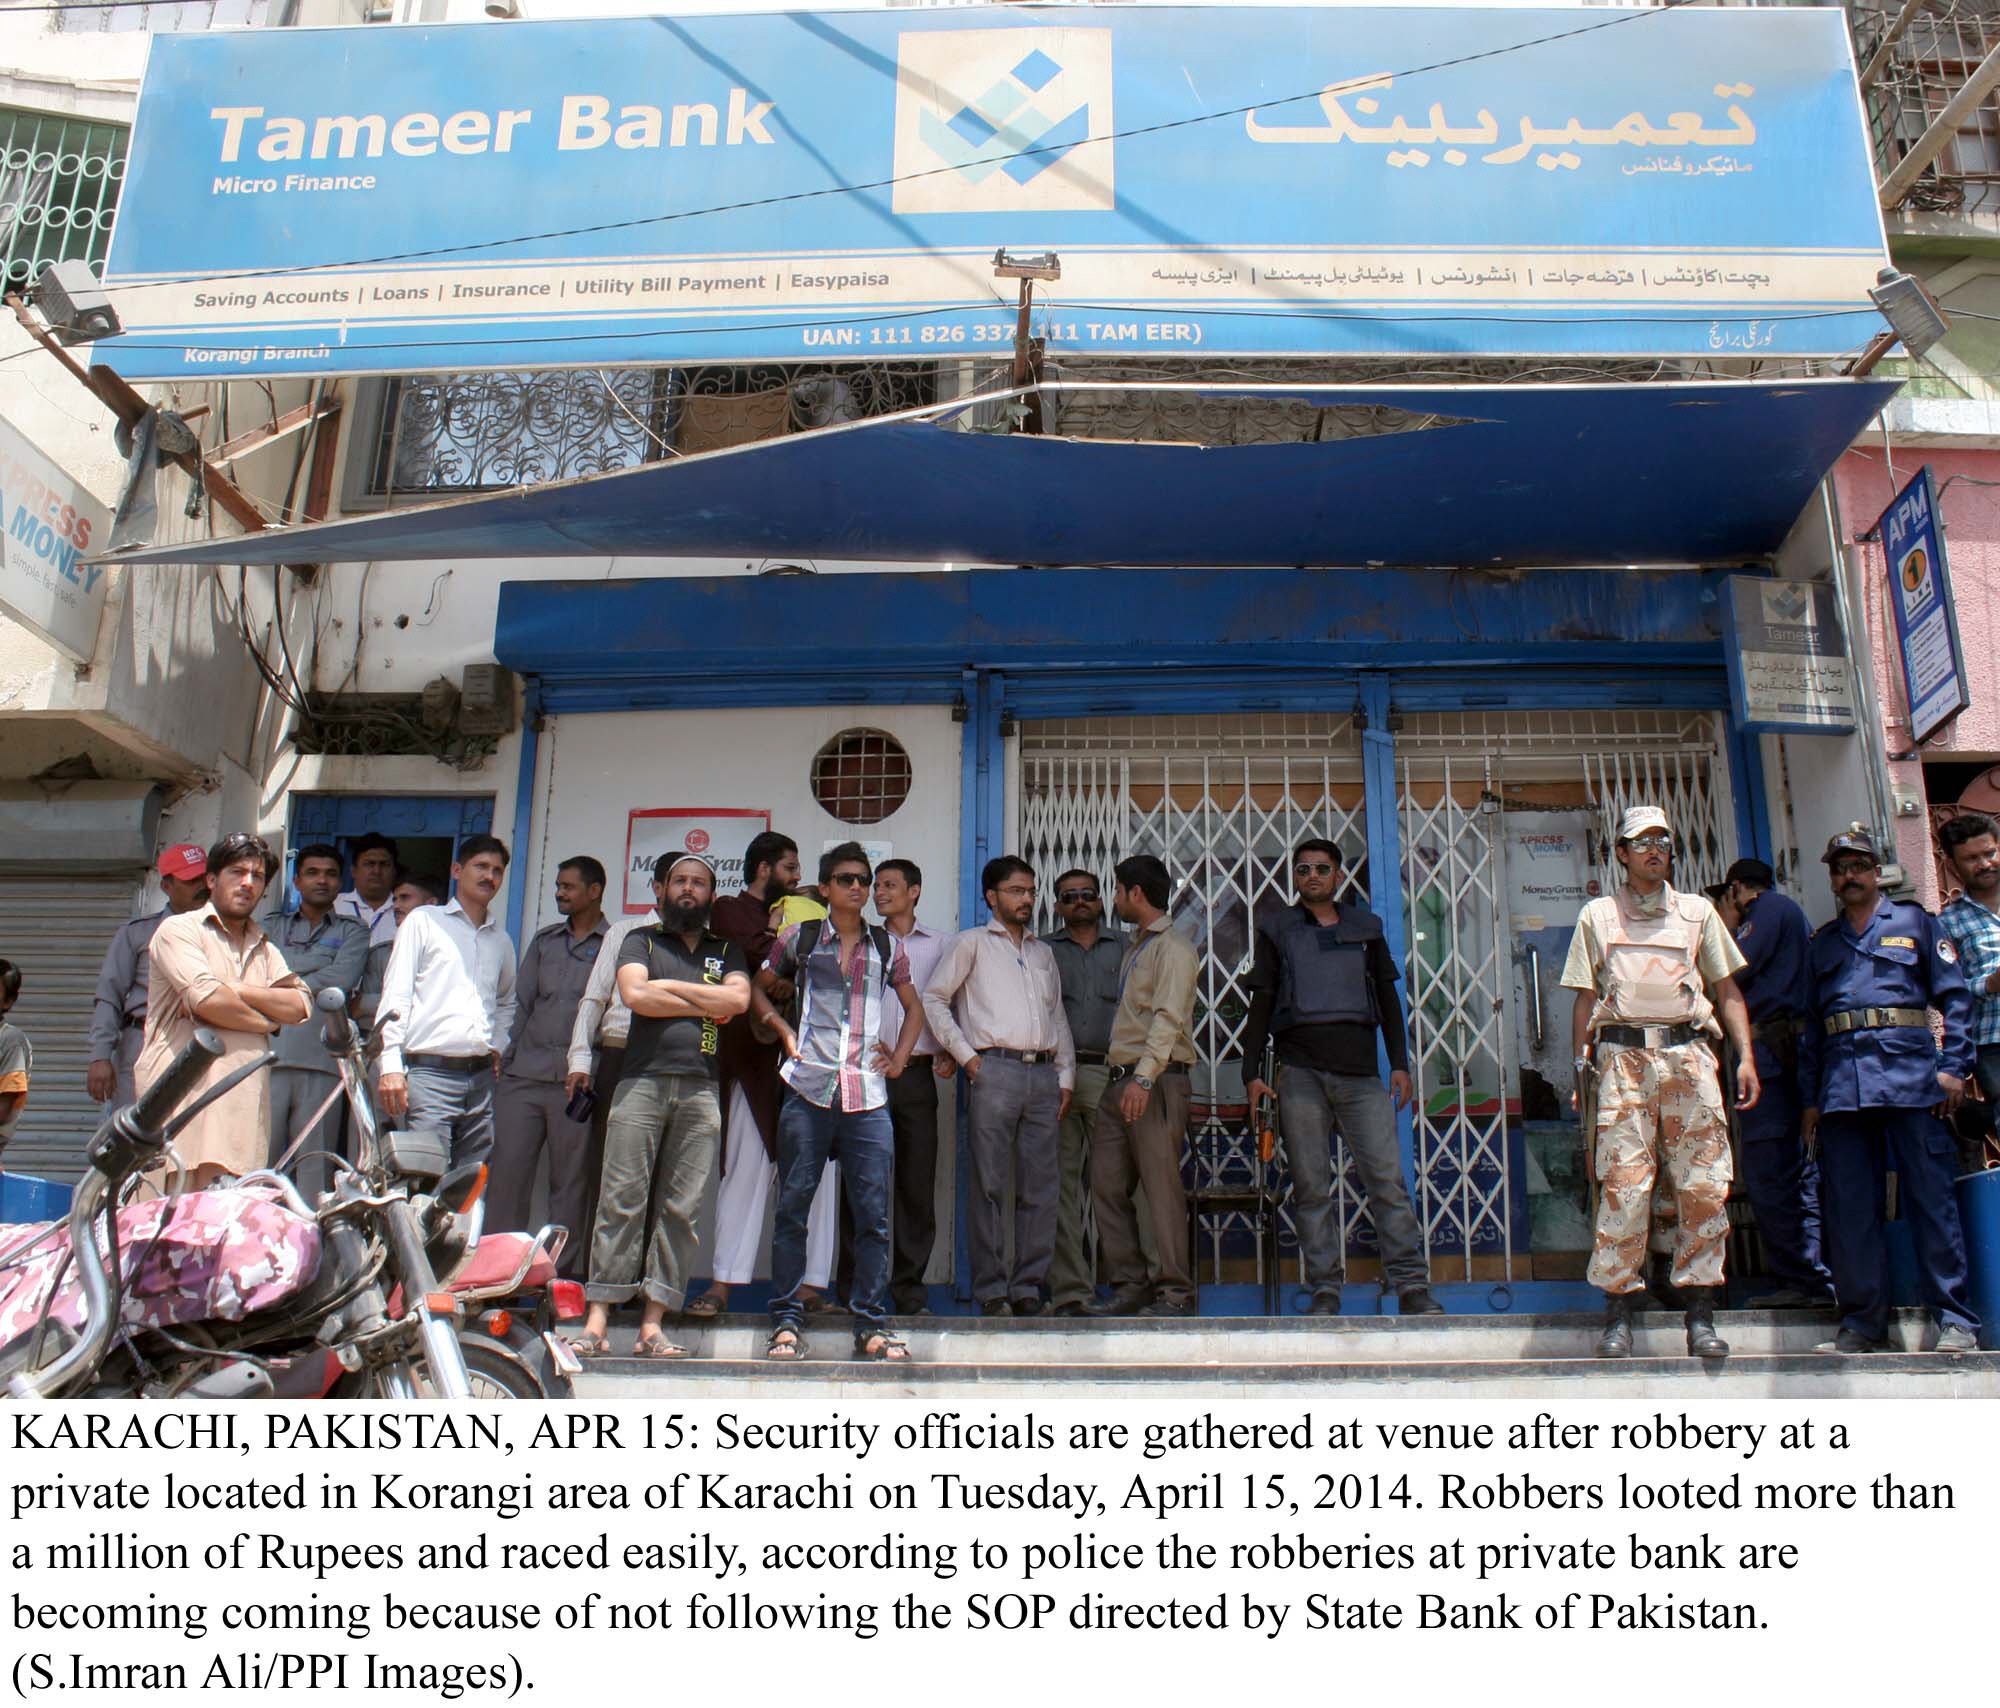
164 1095
332 1003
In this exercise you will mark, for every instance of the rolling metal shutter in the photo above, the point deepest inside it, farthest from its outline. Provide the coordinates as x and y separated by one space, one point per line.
56 931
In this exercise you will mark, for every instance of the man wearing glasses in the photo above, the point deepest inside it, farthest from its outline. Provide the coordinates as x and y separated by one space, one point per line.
1652 969
1876 1083
1087 959
1012 1039
1322 982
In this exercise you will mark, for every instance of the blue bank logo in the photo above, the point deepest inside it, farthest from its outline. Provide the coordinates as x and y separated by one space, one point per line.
999 120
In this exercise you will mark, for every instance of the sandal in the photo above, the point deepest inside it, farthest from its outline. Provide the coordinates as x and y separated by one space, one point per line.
786 1346
880 1348
660 1347
708 1305
590 1345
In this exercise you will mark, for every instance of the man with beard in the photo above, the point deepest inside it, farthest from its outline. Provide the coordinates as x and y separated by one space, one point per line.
1972 921
1876 1083
216 968
681 982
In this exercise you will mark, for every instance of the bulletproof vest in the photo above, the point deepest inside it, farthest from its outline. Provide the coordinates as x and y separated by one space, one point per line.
1650 970
1323 969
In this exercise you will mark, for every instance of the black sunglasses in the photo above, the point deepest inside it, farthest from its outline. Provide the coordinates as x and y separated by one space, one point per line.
1309 869
1076 895
848 878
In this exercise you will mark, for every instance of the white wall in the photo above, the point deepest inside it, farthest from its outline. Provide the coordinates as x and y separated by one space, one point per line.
594 768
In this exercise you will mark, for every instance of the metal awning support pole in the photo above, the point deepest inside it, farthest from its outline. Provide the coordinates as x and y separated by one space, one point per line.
1983 81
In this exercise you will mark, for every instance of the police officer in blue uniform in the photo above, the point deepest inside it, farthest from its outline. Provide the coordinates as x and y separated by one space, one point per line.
1876 1085
1780 1177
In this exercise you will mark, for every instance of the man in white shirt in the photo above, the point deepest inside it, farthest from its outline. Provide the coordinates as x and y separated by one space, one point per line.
373 864
448 1008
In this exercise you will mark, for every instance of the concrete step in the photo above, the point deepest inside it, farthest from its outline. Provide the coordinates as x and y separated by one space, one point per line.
1282 1340
1786 1376
1530 1357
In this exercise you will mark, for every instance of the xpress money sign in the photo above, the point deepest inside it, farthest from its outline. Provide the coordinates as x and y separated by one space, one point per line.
1240 179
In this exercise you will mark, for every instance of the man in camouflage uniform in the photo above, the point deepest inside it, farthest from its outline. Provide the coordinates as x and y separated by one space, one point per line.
1652 970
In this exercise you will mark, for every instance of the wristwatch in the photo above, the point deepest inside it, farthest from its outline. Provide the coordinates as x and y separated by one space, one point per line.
1581 1064
1142 1082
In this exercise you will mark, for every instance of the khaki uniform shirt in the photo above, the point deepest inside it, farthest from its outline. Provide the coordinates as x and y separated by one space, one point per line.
1716 956
1153 1026
193 956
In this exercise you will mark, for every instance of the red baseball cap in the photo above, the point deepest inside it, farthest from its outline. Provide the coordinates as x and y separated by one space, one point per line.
184 860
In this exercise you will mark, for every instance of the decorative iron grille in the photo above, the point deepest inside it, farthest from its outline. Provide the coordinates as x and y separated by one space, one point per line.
59 183
480 432
172 17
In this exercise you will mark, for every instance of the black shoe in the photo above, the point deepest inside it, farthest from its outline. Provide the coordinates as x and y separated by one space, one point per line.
1852 1342
1170 1308
1702 1340
1124 1302
913 1304
1616 1340
996 1308
1324 1305
1030 1307
1417 1302
1070 1308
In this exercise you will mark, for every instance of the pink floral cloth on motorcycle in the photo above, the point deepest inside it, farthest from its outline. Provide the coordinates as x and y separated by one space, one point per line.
221 1256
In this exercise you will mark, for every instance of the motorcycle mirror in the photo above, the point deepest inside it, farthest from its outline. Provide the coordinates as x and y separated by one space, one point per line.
462 1188
332 1000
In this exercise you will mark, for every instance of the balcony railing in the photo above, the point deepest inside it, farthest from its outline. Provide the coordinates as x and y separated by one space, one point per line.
1940 47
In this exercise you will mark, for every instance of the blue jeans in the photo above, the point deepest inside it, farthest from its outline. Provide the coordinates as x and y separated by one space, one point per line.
1311 1104
863 1143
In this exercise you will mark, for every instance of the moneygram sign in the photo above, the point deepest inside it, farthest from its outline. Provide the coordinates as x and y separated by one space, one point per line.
1240 180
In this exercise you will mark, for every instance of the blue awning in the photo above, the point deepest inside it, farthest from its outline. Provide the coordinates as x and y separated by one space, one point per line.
1671 473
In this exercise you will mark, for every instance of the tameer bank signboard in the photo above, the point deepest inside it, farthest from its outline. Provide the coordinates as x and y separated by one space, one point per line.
1230 179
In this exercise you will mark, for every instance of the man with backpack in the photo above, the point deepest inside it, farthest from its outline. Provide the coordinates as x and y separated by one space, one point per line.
838 1064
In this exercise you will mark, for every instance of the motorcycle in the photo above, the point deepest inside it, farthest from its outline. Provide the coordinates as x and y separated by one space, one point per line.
250 1291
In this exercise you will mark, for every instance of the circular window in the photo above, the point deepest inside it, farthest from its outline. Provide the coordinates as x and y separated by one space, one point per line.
861 776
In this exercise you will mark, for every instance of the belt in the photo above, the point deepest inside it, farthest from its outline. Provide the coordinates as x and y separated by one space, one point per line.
1031 1057
1125 1070
1089 1058
923 1058
458 1064
133 1022
1776 1026
1877 1020
1650 1037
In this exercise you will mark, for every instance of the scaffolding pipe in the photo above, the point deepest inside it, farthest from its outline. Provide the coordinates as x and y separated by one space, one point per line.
1880 57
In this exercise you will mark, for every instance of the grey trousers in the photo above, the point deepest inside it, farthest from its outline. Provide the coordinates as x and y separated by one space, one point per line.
1071 1277
295 1094
659 1150
457 1102
1310 1105
1126 1155
1013 1124
529 1119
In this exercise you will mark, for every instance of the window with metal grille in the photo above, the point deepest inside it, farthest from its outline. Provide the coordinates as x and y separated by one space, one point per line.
59 182
861 776
436 434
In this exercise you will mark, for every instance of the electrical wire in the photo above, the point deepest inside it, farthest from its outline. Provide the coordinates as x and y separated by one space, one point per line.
1624 17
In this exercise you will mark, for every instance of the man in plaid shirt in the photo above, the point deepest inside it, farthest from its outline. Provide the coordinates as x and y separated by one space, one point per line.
1972 921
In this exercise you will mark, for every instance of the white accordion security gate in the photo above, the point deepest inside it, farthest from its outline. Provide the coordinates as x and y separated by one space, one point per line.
1223 799
1481 976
